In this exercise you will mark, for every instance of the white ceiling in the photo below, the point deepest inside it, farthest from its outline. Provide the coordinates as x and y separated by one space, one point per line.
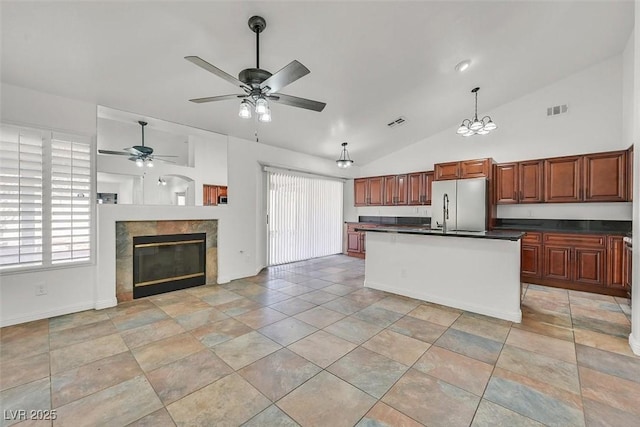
370 61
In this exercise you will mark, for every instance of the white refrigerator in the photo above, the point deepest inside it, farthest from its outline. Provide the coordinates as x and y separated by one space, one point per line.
467 204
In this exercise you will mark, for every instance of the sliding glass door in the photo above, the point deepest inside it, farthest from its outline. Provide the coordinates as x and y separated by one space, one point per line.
304 216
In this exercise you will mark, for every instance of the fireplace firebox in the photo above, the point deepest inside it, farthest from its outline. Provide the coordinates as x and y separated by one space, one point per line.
168 263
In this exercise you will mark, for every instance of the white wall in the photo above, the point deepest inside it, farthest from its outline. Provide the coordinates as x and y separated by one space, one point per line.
241 233
634 338
628 90
594 96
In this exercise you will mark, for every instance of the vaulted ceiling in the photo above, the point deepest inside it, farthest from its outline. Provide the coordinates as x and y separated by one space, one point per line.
370 61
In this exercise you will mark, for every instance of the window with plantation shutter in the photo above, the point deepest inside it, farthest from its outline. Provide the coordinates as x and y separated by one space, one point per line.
46 203
70 200
20 197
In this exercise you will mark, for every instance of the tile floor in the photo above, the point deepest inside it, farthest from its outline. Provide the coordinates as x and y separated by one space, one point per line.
306 344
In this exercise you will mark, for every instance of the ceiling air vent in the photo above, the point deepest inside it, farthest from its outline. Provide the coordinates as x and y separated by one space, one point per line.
557 109
397 122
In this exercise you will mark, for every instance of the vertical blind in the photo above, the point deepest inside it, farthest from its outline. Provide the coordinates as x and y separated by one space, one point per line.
305 217
45 198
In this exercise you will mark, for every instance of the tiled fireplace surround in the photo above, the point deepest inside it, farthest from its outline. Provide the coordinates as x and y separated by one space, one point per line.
127 230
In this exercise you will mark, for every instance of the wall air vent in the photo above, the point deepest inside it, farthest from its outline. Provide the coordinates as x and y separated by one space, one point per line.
557 109
397 122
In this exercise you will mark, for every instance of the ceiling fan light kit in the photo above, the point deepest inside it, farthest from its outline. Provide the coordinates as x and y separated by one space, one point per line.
345 160
470 127
259 86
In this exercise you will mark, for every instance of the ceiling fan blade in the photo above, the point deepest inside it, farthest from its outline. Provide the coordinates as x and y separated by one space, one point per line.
119 153
162 160
216 98
133 151
289 74
163 155
294 101
215 70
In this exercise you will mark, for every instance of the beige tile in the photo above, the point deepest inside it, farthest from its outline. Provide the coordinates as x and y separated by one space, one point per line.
352 329
261 317
227 402
23 330
464 372
490 414
279 373
185 307
396 346
245 349
146 334
218 332
272 416
78 334
199 318
159 353
430 401
80 354
184 376
437 315
287 331
603 341
22 370
76 383
118 405
319 317
326 400
138 318
483 326
322 348
159 418
599 314
77 319
418 329
30 396
26 344
542 344
384 415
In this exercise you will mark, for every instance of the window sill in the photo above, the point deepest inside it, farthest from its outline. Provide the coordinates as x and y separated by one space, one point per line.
36 269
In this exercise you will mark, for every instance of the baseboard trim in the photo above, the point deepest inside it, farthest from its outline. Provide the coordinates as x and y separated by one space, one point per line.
47 314
223 279
505 315
634 344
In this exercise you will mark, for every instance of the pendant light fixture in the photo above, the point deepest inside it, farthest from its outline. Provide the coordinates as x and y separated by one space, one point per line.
474 126
344 161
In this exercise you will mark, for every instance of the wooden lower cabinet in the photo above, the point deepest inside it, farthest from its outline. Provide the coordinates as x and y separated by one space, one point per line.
585 262
356 240
353 241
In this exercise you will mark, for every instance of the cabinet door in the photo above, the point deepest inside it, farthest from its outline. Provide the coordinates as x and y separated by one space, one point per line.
445 171
506 184
360 191
363 241
562 179
615 262
605 177
557 261
475 168
589 266
630 174
415 188
353 241
209 195
531 260
390 190
402 187
530 182
428 180
376 187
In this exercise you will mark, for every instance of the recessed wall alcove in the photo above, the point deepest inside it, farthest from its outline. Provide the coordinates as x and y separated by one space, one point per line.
127 230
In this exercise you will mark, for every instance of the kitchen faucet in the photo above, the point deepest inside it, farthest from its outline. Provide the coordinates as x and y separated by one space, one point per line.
445 212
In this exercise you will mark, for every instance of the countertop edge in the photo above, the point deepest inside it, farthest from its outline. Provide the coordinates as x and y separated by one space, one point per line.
513 236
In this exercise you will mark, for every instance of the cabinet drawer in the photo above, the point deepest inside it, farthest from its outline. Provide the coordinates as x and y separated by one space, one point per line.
574 239
532 237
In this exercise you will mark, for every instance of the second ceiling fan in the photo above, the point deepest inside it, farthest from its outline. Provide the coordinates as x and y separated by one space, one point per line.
259 86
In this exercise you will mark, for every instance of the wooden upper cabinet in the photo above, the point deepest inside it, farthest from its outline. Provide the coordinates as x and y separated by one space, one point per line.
530 177
210 195
444 171
419 188
605 177
562 179
506 184
475 168
360 191
428 180
390 190
376 189
402 195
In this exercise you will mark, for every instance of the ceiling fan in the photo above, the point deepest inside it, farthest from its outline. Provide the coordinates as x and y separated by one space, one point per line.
141 154
259 86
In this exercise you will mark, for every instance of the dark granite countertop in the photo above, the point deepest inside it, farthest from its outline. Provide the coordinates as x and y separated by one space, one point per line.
565 226
497 235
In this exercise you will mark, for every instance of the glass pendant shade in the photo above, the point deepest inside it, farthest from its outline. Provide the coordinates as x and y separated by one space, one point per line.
490 125
245 110
261 105
476 125
139 163
482 132
344 161
149 163
266 116
462 129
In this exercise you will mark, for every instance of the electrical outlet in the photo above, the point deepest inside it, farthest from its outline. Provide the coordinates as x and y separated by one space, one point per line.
41 289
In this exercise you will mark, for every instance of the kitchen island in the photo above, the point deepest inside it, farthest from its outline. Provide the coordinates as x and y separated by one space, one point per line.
473 271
